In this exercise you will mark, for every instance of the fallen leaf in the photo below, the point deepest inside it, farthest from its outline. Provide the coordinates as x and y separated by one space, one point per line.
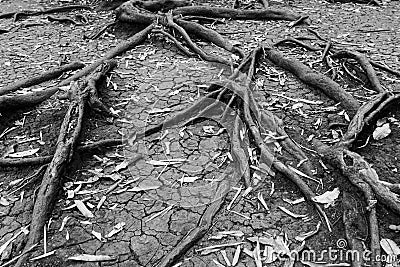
380 132
121 166
294 215
227 261
328 198
236 256
64 222
91 258
188 179
304 236
390 247
143 188
223 234
261 199
159 110
83 209
96 234
116 229
4 201
165 162
294 202
22 154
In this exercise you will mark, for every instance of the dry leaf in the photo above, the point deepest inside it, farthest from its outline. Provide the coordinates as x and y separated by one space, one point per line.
261 199
294 202
328 198
121 166
227 261
189 179
159 110
64 222
390 247
22 154
116 229
165 162
294 215
223 234
91 258
304 236
208 129
381 132
236 256
83 209
96 234
143 188
4 202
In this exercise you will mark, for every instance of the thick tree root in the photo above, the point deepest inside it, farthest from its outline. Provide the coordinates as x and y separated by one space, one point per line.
235 14
365 64
18 101
65 149
248 118
45 76
69 133
25 13
150 5
310 77
35 98
359 172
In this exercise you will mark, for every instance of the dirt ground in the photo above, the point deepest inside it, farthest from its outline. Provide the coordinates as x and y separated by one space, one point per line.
151 82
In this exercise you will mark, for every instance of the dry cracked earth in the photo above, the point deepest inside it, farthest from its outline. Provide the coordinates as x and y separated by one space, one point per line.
141 209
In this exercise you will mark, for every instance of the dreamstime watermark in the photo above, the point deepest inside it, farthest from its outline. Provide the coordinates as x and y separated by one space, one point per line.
341 254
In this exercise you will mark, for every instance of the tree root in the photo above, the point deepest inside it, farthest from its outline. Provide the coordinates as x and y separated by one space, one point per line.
25 13
248 118
298 42
69 133
65 148
235 14
35 98
359 172
192 45
310 77
176 42
45 76
365 64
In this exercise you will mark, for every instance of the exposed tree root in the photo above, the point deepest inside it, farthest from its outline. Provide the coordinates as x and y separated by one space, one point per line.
358 171
235 14
25 13
35 98
65 149
310 77
365 64
18 101
150 5
45 76
236 95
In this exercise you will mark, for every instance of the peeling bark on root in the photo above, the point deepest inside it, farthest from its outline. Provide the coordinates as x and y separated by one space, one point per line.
45 76
318 80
